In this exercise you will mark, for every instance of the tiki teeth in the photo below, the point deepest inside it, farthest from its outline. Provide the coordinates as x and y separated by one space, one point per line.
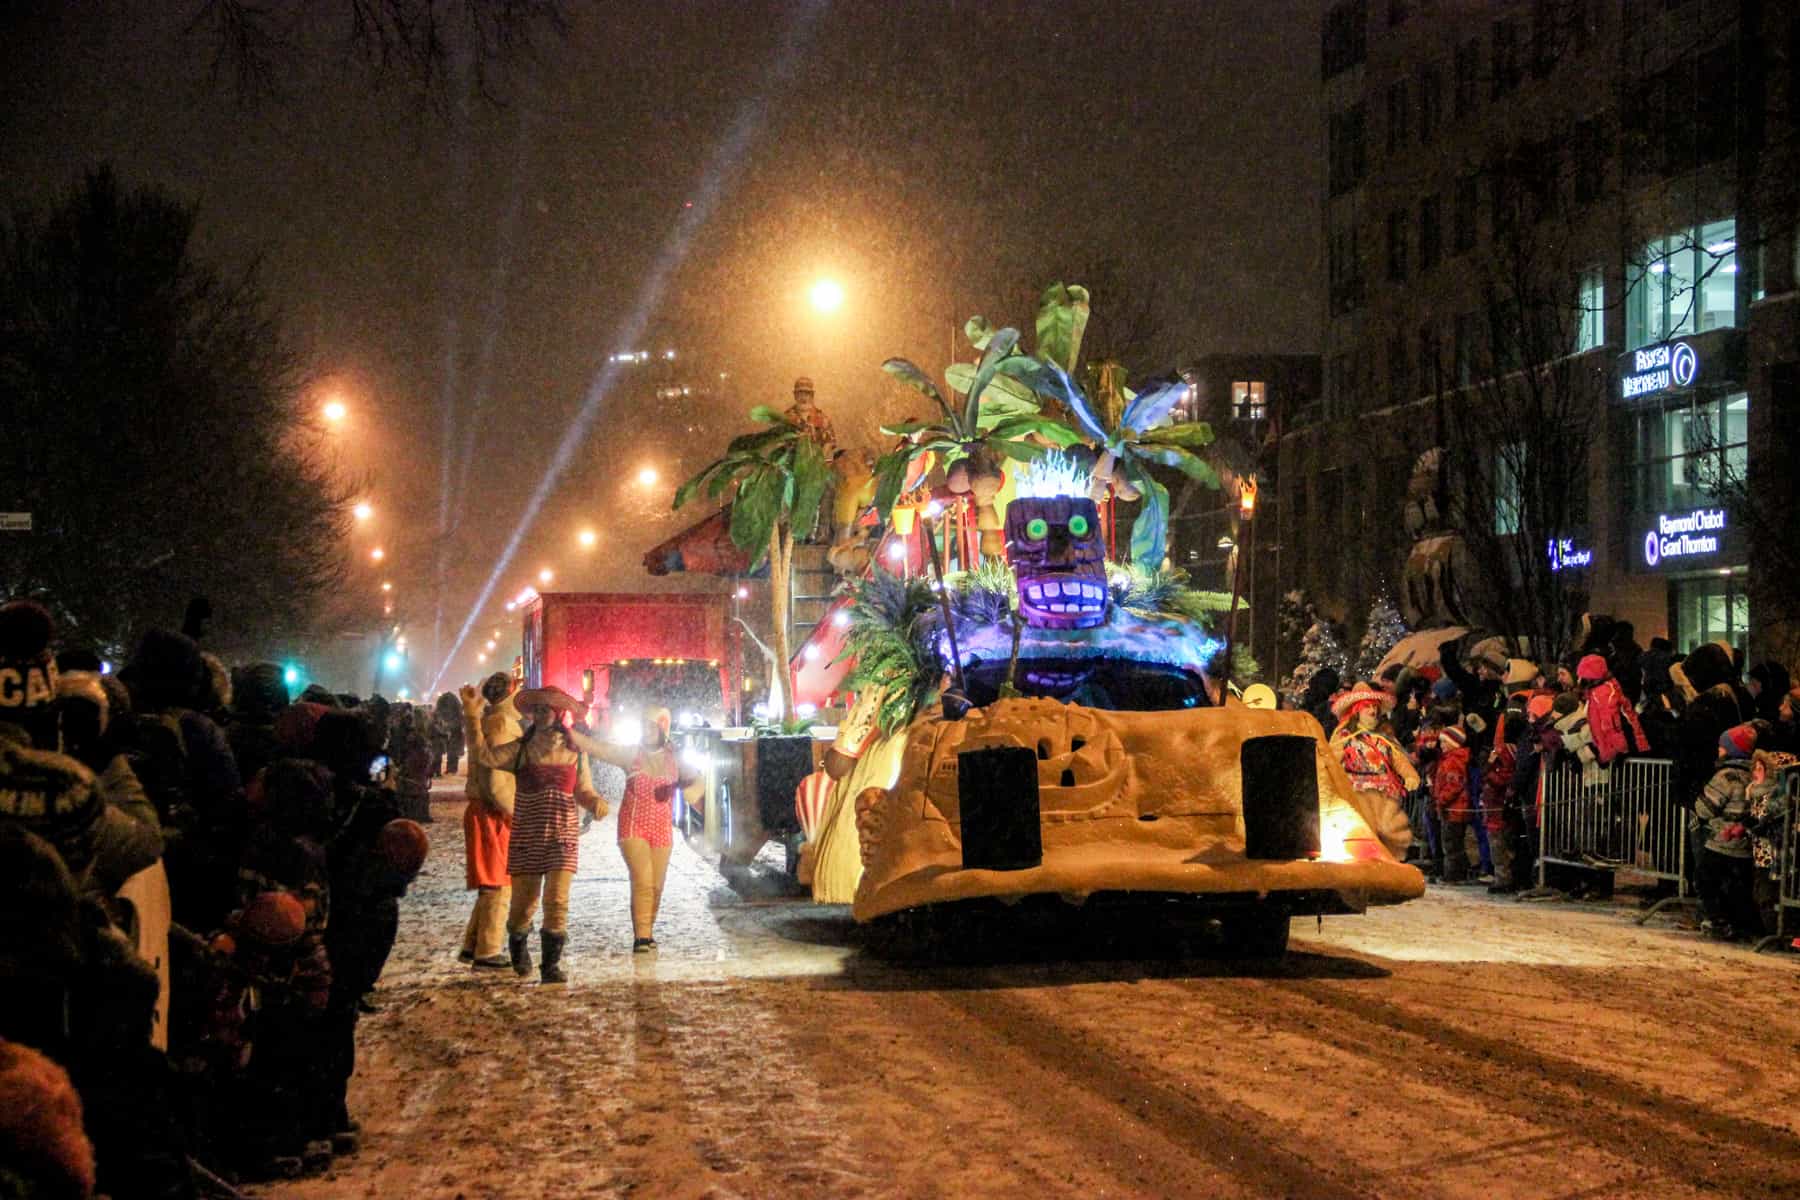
1053 589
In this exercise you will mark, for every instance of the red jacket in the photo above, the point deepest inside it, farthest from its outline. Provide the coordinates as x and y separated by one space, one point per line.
1450 783
1613 723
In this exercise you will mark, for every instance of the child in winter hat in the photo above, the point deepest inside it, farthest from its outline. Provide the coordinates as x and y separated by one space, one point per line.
1738 742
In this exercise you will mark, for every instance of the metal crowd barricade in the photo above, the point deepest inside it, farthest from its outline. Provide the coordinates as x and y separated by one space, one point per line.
1787 871
1624 818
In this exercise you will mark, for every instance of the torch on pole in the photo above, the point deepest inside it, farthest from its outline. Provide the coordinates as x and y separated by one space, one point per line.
1246 512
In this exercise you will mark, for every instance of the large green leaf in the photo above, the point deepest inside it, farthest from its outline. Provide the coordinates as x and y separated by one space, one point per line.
1154 407
765 415
1190 435
754 511
1149 532
1049 379
1046 427
761 442
908 374
1022 451
978 330
1191 465
1004 395
890 476
811 473
999 346
1061 320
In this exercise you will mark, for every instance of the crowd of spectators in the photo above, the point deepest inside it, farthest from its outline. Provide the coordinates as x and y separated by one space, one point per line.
199 887
1480 727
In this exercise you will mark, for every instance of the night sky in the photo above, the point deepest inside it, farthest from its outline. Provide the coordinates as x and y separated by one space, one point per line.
483 260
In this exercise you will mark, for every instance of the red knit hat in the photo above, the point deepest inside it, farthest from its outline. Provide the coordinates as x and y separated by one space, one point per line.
1538 707
1739 741
1451 737
1591 669
273 918
403 845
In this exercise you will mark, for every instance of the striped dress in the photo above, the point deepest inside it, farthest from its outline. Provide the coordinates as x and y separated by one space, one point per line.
546 826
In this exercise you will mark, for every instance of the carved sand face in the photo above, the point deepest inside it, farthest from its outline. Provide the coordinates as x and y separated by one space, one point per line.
1081 761
1059 560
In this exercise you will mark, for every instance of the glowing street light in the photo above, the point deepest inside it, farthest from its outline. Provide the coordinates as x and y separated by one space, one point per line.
490 644
587 538
827 295
335 410
386 586
647 476
481 658
377 554
363 511
546 575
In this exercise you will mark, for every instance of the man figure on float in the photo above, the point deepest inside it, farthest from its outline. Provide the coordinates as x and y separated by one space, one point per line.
552 786
1374 762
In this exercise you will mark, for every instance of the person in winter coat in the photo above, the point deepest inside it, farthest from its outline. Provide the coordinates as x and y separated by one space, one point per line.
1785 735
409 755
1767 822
1768 686
1321 685
553 784
487 827
1723 840
1450 794
1612 721
1535 748
1499 810
1710 705
1479 689
258 694
1624 659
447 729
204 833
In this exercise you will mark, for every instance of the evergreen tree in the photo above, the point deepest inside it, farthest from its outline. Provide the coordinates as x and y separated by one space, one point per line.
1321 646
1384 629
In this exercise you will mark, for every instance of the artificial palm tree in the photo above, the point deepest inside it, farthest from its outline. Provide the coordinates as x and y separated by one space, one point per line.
780 473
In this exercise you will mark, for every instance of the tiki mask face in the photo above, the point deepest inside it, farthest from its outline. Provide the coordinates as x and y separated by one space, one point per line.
1059 560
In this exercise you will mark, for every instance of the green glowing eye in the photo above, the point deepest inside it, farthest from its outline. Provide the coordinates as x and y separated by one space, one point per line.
1037 529
1078 526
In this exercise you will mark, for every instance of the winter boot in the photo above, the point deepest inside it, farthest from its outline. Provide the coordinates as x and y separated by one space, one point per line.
518 945
493 962
551 971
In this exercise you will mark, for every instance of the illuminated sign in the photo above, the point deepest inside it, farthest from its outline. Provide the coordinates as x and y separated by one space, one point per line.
1686 535
1658 369
1565 555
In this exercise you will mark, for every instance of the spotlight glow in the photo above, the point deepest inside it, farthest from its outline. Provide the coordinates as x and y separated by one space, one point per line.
335 410
377 554
647 476
363 511
546 575
897 551
587 538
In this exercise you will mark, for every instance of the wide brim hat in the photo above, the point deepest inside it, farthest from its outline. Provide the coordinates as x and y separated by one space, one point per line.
552 696
1359 695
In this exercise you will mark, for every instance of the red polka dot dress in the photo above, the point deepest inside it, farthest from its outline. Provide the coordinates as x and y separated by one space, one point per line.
648 809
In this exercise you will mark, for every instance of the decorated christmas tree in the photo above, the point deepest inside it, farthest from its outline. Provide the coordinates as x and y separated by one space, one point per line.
1384 628
1321 646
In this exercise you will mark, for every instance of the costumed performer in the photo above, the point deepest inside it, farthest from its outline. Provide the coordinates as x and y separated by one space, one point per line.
552 785
487 826
646 816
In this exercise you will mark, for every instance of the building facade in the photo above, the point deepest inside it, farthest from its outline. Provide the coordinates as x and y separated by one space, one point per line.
1639 155
1247 399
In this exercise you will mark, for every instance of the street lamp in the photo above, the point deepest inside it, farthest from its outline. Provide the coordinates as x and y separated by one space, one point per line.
827 295
546 575
335 410
647 476
387 586
377 554
363 510
587 538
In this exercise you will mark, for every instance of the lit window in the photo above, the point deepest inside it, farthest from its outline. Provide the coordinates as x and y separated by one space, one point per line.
1689 453
1683 283
1590 311
1509 487
1248 400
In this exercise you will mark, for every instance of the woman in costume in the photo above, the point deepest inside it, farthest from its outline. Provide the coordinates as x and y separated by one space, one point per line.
646 816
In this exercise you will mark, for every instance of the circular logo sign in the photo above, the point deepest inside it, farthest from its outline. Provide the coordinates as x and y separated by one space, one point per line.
1684 364
1652 548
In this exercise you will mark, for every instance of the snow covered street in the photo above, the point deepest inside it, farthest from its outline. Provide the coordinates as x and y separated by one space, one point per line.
1457 1046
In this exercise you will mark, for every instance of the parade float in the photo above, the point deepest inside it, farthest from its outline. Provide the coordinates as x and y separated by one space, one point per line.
1035 713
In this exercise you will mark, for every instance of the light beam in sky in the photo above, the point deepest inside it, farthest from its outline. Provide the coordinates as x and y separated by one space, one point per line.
721 166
